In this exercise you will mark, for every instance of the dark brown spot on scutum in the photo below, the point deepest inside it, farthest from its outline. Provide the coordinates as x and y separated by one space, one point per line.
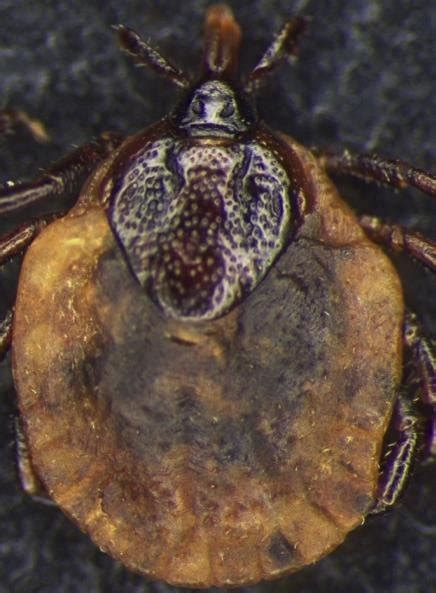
280 549
188 266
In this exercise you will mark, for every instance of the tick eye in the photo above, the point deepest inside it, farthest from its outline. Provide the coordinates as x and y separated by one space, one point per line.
197 106
228 109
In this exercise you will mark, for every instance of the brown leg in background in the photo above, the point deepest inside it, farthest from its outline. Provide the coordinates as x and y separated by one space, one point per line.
62 180
424 361
414 419
11 119
5 332
30 482
373 167
398 460
15 242
400 239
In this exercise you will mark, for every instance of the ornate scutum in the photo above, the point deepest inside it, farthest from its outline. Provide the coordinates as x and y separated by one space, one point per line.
201 222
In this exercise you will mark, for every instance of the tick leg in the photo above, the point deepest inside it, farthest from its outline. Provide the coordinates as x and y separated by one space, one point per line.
372 167
13 118
414 419
424 361
399 456
30 482
61 181
5 332
16 241
400 239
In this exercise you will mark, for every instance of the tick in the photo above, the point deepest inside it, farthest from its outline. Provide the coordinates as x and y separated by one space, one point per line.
208 347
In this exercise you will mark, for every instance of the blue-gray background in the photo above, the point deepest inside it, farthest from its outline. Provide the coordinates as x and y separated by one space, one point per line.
365 80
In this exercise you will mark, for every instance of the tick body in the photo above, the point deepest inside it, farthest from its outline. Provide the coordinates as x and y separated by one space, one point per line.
215 348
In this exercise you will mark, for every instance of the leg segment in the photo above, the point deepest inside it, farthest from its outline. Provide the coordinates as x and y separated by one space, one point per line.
372 167
284 46
424 361
28 478
5 332
61 181
399 457
12 118
400 239
414 420
15 242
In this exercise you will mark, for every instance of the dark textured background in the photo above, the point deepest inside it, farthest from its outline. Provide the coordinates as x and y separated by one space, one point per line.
366 80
